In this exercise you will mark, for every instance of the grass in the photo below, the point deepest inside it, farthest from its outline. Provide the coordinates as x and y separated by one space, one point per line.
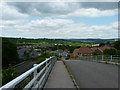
66 43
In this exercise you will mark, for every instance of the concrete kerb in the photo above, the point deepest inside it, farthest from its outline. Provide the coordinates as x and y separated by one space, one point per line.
71 76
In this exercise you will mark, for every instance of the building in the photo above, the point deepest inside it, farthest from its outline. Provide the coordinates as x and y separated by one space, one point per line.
86 51
83 51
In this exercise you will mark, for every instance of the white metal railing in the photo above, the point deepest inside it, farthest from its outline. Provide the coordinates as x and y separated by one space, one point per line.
110 58
40 74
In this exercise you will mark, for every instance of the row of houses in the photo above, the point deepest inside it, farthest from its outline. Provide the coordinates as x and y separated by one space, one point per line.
28 52
34 51
86 51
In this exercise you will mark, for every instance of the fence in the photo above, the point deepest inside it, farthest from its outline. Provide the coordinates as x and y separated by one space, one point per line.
34 78
110 58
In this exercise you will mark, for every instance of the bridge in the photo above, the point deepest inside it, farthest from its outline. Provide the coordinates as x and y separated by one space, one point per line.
82 73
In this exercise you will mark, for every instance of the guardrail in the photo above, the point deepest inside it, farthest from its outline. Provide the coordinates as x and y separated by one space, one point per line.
38 76
110 58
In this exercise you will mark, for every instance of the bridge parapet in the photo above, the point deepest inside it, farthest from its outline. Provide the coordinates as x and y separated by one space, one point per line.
37 75
115 59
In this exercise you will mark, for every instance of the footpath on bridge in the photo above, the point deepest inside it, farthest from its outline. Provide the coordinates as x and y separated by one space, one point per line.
59 77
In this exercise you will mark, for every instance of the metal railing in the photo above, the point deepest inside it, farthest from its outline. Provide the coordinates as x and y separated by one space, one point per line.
38 74
110 58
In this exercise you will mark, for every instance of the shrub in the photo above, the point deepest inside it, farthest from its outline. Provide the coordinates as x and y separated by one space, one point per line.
8 74
111 51
44 56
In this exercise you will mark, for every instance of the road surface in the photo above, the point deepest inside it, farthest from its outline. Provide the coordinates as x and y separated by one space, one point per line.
93 75
25 66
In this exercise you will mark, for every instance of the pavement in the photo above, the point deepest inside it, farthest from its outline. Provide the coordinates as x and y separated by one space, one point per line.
93 75
59 77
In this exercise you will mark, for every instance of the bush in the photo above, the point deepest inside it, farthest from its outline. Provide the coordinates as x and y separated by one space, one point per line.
118 52
44 56
111 51
8 74
117 45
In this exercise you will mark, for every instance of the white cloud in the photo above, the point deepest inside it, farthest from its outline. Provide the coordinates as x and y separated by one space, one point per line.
61 9
50 22
91 12
15 22
10 12
11 22
61 28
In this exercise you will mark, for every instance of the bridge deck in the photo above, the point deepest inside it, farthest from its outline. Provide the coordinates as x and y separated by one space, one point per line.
59 77
93 75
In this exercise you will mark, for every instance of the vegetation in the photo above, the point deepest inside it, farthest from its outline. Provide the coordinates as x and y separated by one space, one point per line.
24 40
117 45
111 51
9 58
8 74
9 53
44 56
45 41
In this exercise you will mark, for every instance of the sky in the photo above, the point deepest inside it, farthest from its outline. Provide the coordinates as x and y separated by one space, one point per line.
64 20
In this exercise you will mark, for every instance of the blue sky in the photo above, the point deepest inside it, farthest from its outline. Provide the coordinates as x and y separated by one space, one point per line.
106 20
60 20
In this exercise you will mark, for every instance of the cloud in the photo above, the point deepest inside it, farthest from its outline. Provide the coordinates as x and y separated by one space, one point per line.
11 22
50 22
67 9
22 20
45 8
100 5
11 13
91 12
60 28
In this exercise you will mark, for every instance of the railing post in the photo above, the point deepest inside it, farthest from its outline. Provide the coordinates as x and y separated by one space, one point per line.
102 57
34 74
111 57
46 64
96 57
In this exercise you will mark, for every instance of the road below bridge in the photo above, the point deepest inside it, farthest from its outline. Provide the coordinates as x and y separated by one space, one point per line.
93 75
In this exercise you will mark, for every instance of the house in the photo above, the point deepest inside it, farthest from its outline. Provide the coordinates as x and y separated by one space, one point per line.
83 51
34 54
100 50
104 47
28 52
86 51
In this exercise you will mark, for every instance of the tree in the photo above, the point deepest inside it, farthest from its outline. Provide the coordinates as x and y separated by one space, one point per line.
9 53
101 44
111 51
117 45
118 52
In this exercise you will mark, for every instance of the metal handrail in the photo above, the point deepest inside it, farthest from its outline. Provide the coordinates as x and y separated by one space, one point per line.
20 78
110 58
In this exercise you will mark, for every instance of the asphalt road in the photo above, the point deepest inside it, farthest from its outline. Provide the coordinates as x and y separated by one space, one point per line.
25 66
93 75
